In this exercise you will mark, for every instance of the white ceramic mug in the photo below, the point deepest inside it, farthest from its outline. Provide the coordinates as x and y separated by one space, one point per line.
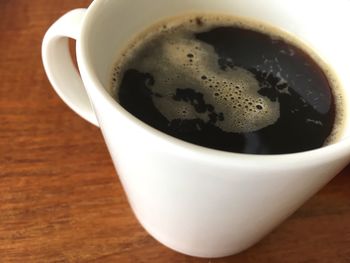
195 200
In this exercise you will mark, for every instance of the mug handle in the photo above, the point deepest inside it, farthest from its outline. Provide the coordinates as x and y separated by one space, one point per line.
59 67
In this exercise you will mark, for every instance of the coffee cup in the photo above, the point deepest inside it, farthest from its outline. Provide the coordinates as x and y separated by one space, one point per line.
195 200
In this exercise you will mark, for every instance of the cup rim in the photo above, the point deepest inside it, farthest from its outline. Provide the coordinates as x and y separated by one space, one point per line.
335 149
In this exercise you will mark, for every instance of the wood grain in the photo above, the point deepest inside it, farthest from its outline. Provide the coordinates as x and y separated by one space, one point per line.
60 198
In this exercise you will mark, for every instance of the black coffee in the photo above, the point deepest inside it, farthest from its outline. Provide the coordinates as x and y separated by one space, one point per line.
230 85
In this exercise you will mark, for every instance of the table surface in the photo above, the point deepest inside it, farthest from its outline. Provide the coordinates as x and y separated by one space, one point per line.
61 200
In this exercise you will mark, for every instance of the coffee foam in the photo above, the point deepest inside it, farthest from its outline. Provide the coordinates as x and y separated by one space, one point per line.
177 59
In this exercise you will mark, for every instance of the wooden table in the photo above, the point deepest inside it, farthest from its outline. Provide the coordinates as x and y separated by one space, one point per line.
60 198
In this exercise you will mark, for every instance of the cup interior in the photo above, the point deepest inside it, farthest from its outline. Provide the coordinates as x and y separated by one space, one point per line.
322 25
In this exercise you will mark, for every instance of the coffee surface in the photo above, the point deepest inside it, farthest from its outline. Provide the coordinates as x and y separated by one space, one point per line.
228 84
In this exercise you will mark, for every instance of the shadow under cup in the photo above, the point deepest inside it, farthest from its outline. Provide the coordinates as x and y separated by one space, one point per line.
255 193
